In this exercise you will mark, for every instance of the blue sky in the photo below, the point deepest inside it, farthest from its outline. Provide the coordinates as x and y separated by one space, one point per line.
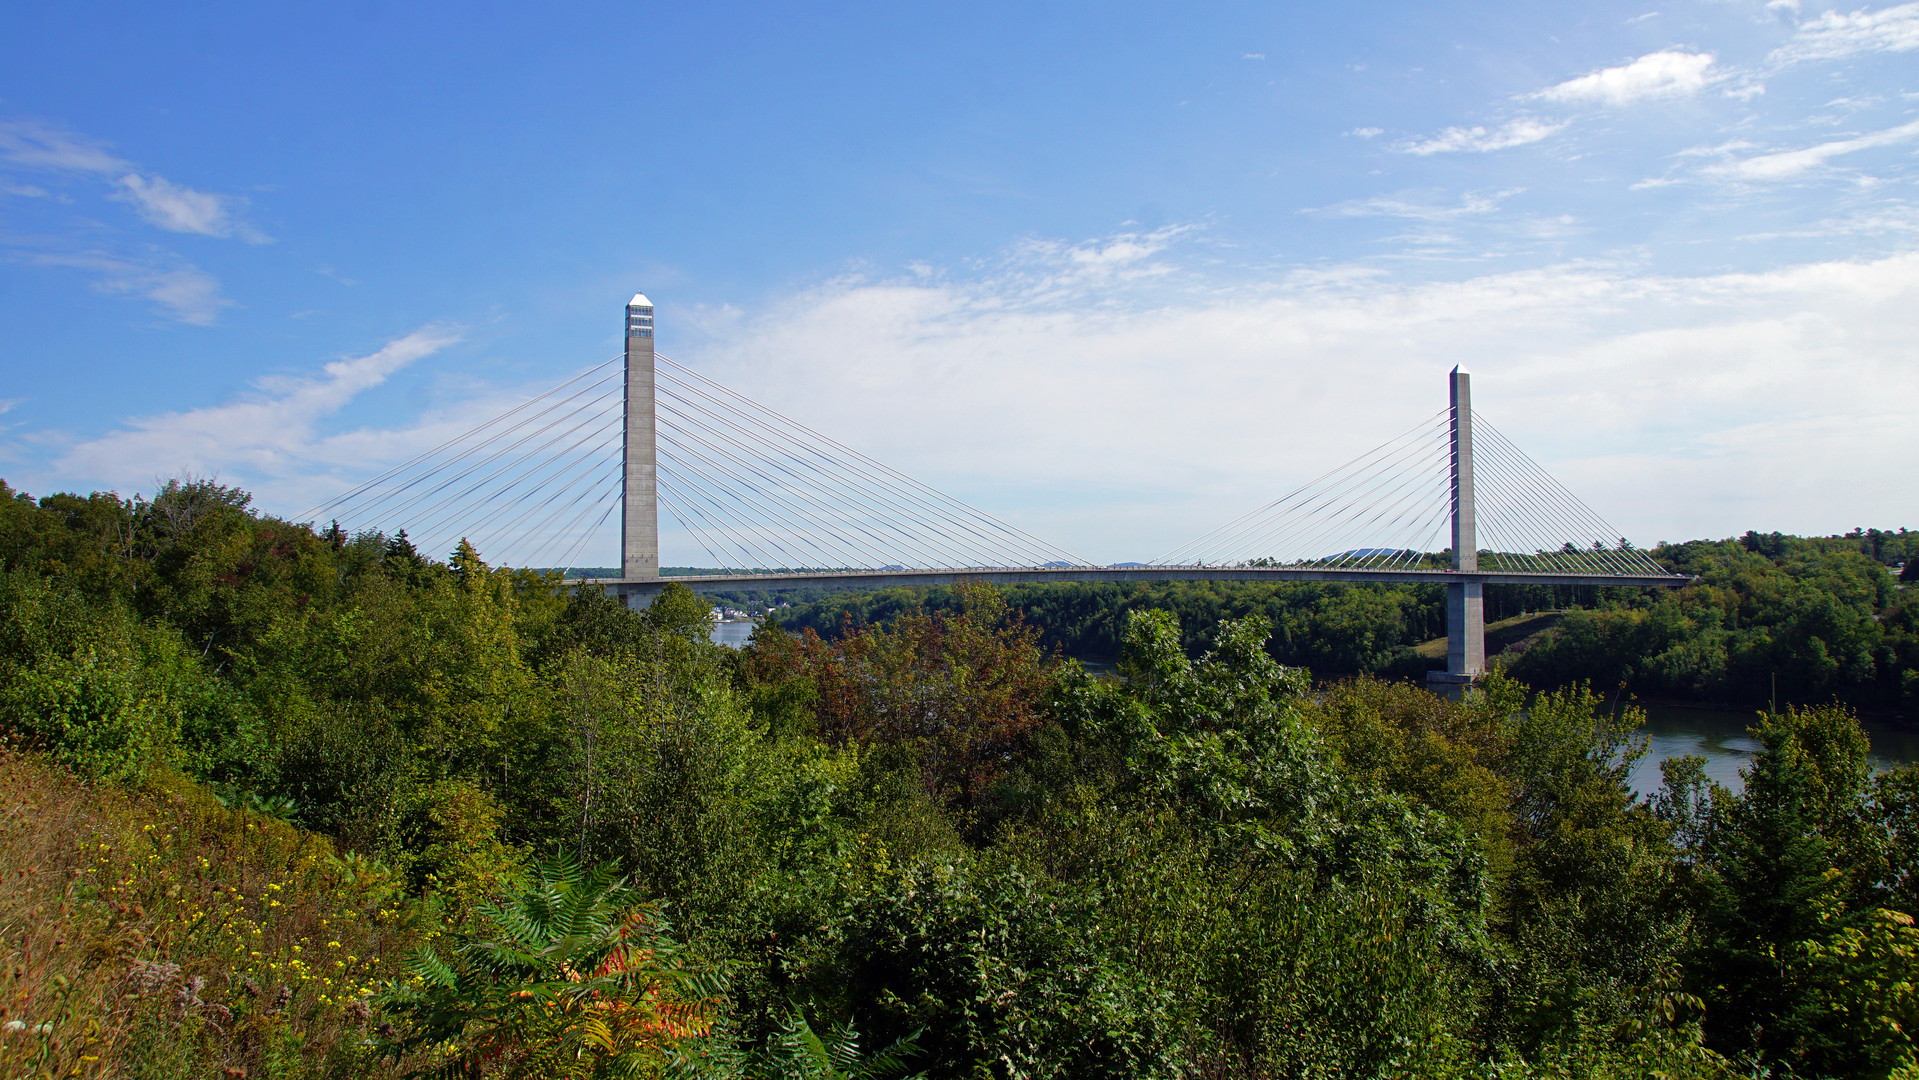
1116 272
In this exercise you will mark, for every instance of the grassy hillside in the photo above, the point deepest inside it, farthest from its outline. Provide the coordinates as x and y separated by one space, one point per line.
155 932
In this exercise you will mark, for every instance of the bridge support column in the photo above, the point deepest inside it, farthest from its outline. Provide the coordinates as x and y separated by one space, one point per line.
1465 600
640 496
638 595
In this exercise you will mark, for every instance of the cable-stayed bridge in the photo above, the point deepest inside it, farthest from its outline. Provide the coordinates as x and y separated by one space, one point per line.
778 505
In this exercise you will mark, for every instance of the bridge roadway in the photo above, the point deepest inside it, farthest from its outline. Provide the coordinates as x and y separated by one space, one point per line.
639 592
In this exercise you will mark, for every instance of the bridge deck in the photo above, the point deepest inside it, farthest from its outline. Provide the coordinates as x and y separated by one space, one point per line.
882 579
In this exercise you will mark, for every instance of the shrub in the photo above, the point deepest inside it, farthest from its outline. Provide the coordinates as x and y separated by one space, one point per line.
570 976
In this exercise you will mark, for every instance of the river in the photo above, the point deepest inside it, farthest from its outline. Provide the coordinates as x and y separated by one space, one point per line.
733 634
1720 737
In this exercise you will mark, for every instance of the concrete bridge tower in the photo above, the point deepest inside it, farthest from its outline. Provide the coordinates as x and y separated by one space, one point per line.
640 509
1465 600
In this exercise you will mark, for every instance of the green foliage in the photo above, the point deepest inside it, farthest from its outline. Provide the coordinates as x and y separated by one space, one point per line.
571 976
795 1052
922 825
1802 620
1789 871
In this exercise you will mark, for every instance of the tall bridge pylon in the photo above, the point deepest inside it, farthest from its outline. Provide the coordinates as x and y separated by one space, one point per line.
775 504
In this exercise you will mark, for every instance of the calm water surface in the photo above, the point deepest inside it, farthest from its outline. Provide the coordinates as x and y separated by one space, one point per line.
732 634
1720 738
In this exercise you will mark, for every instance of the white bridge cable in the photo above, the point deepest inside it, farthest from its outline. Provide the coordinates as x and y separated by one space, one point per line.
1390 507
1534 538
706 473
1268 531
1564 521
526 467
519 486
791 489
1531 532
709 476
685 507
547 537
868 486
802 518
1342 508
685 511
558 478
604 503
465 511
784 457
572 557
785 474
1413 490
379 501
401 468
877 480
393 503
695 474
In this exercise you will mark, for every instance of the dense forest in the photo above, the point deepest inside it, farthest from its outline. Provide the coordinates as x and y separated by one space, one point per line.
1769 618
282 803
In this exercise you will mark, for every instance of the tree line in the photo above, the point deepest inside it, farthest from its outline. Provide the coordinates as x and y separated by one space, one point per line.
1770 617
298 803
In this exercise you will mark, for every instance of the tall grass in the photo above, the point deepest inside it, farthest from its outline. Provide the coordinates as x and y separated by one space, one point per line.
158 933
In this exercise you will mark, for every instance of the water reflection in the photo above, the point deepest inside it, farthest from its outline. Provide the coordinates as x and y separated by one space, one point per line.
1720 737
733 634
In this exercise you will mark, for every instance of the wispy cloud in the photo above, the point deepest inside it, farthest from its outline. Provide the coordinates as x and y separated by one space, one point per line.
1834 36
30 144
177 287
180 290
1482 140
177 208
271 433
1786 164
1417 206
33 145
1669 73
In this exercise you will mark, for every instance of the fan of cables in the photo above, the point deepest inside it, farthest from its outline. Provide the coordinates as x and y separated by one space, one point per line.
755 490
1529 523
1391 509
530 487
759 491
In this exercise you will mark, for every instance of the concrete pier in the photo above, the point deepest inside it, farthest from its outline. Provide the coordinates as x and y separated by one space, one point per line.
1465 600
640 509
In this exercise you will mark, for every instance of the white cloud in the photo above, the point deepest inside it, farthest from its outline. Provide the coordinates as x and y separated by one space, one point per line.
1669 73
1366 132
177 208
265 437
1119 424
1833 36
1418 206
33 145
1254 56
1479 139
1790 163
25 191
185 292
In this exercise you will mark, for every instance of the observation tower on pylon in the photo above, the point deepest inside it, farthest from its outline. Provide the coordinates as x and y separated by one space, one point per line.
640 473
